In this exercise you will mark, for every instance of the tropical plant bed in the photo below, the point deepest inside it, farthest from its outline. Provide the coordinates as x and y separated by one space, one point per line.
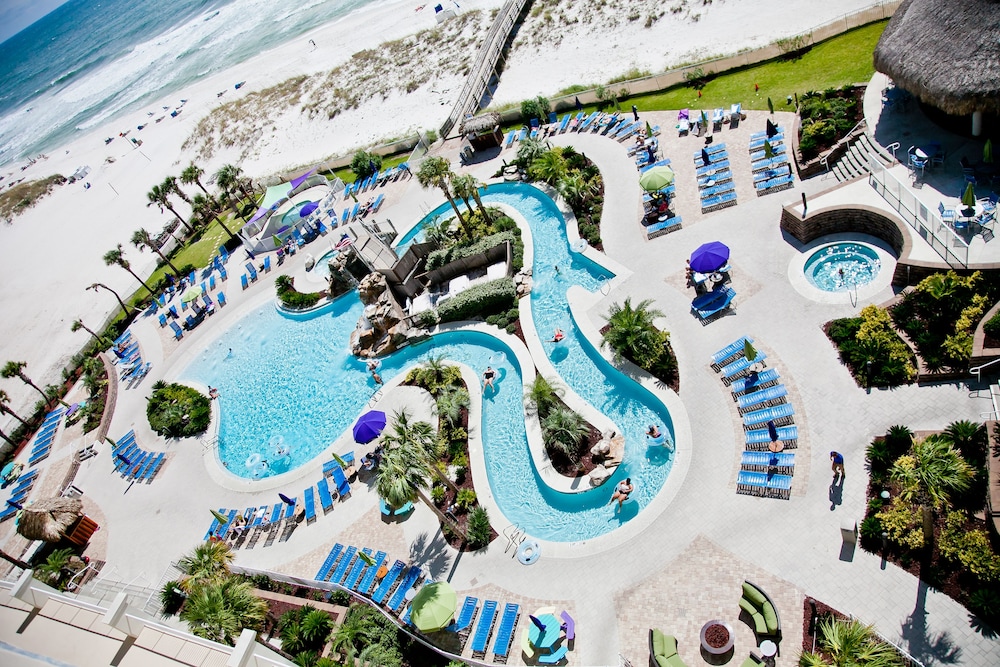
826 117
667 373
823 610
872 351
587 461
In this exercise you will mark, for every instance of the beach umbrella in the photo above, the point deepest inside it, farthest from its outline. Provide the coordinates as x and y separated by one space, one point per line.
369 426
285 499
709 257
434 606
772 430
705 157
306 210
656 178
366 559
48 519
340 461
969 196
221 518
191 293
988 151
749 351
768 150
277 240
771 128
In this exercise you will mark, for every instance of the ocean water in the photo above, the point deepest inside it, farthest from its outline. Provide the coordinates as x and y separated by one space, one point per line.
90 61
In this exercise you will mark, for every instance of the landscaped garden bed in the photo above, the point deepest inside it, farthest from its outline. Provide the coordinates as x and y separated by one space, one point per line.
873 352
826 117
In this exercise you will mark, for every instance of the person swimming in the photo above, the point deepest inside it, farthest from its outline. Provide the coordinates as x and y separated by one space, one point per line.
557 336
488 376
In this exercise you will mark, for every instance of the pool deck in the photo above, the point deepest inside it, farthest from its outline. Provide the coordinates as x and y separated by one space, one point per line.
685 567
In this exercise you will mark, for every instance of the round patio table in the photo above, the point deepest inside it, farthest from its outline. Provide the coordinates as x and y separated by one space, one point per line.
545 640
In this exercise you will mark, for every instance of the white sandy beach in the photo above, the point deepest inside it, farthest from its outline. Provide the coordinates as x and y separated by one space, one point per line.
53 251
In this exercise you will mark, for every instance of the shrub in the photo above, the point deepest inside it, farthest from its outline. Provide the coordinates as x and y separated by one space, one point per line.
466 499
438 494
535 108
480 300
879 457
171 598
293 299
992 327
871 528
439 258
563 430
364 164
176 411
971 548
903 524
479 528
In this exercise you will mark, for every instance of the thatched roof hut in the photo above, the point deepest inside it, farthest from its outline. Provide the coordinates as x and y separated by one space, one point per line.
480 124
50 518
946 53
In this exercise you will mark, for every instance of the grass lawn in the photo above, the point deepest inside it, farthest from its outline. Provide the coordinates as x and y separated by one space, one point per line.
347 176
838 61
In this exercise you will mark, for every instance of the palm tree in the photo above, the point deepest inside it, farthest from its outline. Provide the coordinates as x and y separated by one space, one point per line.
574 189
850 643
192 175
230 178
208 561
929 475
564 429
207 209
969 438
550 167
450 403
51 571
530 150
14 445
159 196
117 256
121 303
631 333
78 324
420 439
170 185
436 172
10 559
473 184
16 369
402 478
542 396
220 610
142 239
6 409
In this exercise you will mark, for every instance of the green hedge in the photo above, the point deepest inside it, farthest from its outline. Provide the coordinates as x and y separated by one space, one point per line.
439 258
177 411
992 328
293 299
482 300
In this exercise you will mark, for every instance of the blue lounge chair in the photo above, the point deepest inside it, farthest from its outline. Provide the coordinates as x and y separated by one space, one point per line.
753 382
368 578
310 504
707 305
713 168
124 337
775 185
730 350
354 575
767 414
216 524
501 647
354 212
331 558
762 437
465 616
764 395
719 177
275 514
221 296
267 263
325 499
223 254
290 509
252 272
740 365
664 227
178 332
763 484
510 138
222 273
163 319
345 562
484 629
761 176
565 122
411 577
783 462
714 190
244 281
155 468
387 582
377 204
340 479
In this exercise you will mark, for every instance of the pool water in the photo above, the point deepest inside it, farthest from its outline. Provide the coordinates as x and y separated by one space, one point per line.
839 267
292 382
291 217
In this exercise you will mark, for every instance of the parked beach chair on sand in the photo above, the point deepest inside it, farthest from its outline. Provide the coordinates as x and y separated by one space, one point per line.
409 579
388 581
345 562
664 227
465 616
354 575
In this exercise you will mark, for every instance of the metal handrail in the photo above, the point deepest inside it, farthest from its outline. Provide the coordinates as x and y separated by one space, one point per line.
977 371
894 146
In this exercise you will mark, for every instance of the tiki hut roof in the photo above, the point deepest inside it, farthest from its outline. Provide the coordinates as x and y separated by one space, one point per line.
48 519
946 53
483 123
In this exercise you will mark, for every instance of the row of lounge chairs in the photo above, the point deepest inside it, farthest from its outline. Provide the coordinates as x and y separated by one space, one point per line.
378 178
135 463
664 224
771 173
761 399
716 193
359 210
18 494
42 446
697 122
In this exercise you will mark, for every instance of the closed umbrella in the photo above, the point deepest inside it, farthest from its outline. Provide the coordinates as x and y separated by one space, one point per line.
969 199
191 293
366 559
988 151
340 461
221 518
656 178
433 607
285 499
308 209
369 426
709 257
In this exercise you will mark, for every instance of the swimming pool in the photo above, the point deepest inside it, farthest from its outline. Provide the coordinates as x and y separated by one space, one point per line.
838 267
294 377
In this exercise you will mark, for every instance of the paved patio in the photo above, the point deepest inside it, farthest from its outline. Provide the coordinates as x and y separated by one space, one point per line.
687 566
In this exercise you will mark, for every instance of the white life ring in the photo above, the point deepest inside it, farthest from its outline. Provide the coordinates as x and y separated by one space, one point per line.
529 552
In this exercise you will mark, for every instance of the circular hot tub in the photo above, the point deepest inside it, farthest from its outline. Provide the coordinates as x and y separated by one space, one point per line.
843 268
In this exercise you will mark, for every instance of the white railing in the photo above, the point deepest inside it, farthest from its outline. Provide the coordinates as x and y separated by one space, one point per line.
924 220
977 371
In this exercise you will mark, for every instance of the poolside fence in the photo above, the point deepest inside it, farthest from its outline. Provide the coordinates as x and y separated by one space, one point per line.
923 219
781 47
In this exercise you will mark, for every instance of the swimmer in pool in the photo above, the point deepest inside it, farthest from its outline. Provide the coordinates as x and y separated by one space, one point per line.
557 336
488 376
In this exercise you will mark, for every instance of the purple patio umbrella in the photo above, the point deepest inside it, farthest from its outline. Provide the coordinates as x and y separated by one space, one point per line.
709 257
369 426
307 209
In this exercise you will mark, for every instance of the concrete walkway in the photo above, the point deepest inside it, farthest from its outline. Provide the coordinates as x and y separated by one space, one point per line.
686 567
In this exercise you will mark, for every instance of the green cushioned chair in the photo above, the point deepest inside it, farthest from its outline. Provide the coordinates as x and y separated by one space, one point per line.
761 610
663 650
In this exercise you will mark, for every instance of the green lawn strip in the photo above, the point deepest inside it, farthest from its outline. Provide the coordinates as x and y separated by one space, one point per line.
838 61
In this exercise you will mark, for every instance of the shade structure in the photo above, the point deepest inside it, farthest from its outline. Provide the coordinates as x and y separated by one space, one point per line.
944 52
49 518
307 210
709 257
434 606
191 293
369 426
656 178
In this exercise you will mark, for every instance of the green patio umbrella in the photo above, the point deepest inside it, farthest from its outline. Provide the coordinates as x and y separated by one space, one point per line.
988 151
340 461
749 351
277 240
191 293
434 606
366 559
969 196
221 518
656 178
